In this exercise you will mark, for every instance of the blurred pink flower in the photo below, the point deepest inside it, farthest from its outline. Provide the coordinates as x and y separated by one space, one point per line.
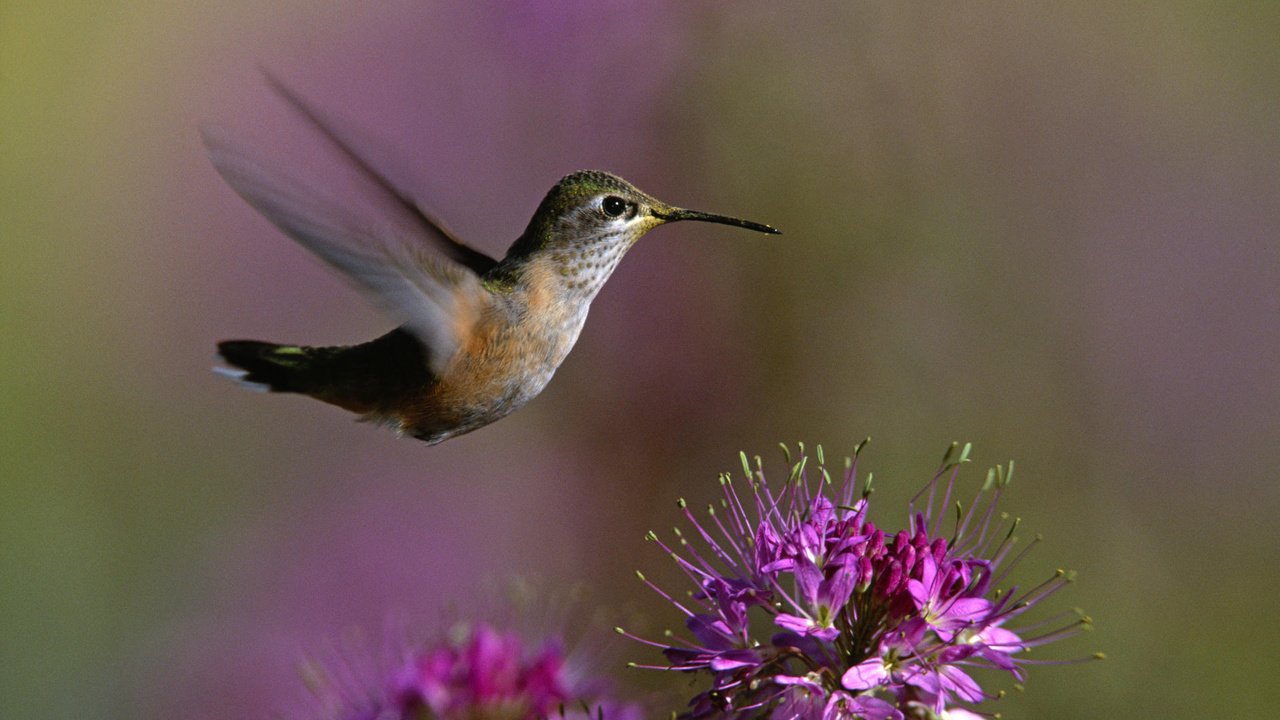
475 673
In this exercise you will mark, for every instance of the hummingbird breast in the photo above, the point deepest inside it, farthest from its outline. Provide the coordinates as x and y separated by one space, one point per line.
507 358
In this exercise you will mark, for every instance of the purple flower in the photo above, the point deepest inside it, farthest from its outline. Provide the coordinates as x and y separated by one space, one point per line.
477 673
864 623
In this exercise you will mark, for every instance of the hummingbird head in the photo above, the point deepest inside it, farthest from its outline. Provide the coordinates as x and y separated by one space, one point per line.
589 219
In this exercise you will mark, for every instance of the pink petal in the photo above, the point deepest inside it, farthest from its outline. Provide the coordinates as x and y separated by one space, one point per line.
865 675
957 680
919 593
794 623
969 609
733 660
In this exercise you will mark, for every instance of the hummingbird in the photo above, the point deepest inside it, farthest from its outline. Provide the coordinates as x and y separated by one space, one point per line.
478 337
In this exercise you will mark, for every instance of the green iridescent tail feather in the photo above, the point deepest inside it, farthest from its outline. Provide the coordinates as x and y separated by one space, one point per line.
269 367
370 377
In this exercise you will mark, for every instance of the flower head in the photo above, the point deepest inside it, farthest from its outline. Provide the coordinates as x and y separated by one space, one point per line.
805 608
476 673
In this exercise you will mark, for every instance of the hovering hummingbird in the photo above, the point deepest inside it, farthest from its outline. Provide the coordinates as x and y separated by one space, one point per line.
479 338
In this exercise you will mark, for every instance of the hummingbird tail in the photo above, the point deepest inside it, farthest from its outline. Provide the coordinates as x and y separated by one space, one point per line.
266 367
372 377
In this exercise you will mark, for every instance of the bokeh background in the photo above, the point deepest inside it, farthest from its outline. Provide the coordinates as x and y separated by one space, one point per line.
1047 230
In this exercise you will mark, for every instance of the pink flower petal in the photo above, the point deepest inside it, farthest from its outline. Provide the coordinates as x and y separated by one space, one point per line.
866 675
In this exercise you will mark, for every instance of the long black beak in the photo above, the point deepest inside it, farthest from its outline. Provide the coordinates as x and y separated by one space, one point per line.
678 214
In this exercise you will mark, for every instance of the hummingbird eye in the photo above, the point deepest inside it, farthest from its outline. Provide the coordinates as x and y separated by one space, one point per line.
613 206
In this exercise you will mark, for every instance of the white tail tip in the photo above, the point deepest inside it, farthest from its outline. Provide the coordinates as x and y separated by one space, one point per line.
238 376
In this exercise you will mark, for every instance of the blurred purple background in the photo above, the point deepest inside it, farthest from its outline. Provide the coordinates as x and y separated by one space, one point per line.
1050 231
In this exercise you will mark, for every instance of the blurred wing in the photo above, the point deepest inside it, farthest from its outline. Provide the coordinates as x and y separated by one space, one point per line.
432 230
437 299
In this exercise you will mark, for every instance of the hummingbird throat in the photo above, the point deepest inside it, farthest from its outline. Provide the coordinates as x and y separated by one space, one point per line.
584 269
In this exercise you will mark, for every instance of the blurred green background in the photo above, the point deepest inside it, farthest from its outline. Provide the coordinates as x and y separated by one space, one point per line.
1047 230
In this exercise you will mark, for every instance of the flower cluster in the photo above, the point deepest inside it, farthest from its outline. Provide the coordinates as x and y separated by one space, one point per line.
804 608
478 674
